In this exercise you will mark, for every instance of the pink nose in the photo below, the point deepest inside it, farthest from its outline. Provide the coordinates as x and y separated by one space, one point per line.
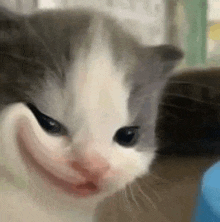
93 169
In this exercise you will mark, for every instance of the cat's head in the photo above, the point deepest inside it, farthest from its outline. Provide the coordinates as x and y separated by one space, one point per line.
73 90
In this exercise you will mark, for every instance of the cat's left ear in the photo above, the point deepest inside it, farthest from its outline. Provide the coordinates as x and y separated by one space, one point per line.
156 63
169 56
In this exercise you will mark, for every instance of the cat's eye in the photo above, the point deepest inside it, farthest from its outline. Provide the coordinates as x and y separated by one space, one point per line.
127 136
47 123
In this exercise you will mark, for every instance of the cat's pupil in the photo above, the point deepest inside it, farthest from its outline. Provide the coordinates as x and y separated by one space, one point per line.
127 136
47 123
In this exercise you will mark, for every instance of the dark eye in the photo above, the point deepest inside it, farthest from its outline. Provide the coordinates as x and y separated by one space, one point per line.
127 136
50 125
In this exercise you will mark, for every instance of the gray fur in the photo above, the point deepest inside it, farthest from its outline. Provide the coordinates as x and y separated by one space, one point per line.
41 46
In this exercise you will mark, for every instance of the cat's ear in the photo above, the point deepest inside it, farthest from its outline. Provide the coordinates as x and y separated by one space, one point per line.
169 57
156 63
10 26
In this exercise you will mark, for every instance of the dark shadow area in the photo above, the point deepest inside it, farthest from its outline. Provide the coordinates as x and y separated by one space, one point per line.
188 119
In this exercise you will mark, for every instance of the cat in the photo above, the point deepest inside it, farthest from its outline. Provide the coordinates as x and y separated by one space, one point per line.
78 97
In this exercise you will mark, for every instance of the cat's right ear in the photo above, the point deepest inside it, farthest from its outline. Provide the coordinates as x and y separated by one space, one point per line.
10 26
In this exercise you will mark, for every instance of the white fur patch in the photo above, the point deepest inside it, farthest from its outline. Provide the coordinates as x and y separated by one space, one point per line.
101 101
94 103
100 95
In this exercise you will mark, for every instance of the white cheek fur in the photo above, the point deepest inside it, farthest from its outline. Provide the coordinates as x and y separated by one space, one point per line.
125 164
100 98
95 92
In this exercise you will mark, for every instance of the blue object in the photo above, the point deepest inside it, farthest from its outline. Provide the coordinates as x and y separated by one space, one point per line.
208 203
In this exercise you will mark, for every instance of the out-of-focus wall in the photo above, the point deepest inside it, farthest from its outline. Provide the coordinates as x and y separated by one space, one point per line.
146 18
179 29
24 6
12 4
214 10
213 33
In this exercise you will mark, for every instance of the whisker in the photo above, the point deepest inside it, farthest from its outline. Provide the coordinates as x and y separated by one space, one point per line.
159 178
175 106
113 200
129 204
133 197
167 115
152 203
126 200
116 214
29 60
192 98
189 82
126 197
120 196
164 180
155 193
146 196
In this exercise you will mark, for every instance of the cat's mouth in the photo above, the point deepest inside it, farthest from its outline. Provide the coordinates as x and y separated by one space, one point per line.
79 189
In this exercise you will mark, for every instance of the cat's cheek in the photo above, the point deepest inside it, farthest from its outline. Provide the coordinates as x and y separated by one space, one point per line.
118 181
127 166
45 153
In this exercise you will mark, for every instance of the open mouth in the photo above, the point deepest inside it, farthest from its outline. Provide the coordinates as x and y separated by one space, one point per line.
85 189
80 190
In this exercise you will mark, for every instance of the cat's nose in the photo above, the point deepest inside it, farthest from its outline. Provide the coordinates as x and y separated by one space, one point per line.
92 169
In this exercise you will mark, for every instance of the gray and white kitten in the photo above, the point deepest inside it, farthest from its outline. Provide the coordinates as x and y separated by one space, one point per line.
76 94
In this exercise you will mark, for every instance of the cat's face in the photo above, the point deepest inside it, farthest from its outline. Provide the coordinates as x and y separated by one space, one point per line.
73 117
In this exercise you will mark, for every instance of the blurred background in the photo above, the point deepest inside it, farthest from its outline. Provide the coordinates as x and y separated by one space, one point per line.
192 25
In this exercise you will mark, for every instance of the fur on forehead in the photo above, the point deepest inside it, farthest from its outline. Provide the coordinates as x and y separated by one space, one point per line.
94 93
48 43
